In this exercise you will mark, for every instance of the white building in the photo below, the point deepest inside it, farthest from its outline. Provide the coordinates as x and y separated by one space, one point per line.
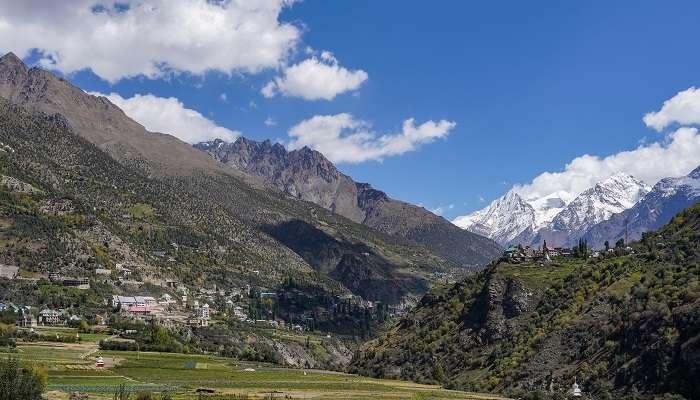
575 390
202 312
124 302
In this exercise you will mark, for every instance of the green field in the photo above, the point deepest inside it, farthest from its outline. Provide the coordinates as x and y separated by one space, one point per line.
70 367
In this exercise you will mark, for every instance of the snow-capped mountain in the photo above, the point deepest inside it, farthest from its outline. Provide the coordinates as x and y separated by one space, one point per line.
559 218
503 220
512 218
597 204
666 199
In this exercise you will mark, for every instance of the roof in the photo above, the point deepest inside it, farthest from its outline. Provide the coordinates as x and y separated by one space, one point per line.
132 299
140 309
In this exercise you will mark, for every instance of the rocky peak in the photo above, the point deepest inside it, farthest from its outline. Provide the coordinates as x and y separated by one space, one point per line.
695 174
13 73
11 62
307 174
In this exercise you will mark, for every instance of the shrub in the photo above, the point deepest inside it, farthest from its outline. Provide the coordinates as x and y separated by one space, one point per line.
21 382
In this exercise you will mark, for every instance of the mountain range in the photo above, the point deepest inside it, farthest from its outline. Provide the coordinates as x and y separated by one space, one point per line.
307 175
666 199
598 214
148 189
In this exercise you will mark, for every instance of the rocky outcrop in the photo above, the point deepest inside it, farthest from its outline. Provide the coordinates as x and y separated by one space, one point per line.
308 175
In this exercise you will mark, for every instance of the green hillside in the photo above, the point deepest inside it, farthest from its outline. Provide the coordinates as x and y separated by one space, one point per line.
67 206
627 323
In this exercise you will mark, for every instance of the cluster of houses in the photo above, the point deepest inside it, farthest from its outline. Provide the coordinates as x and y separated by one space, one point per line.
179 305
28 316
521 253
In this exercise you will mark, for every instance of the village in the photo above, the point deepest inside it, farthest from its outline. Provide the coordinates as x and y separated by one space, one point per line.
173 304
543 254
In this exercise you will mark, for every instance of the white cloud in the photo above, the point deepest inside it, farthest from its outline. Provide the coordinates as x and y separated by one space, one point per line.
223 97
149 37
676 155
316 78
269 121
342 138
683 108
442 209
169 115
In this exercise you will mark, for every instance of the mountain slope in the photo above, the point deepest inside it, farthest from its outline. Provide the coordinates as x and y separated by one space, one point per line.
667 198
398 266
624 324
306 174
78 208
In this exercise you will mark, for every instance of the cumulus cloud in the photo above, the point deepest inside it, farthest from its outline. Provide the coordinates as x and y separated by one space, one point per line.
343 138
149 37
169 115
676 155
683 108
269 121
316 78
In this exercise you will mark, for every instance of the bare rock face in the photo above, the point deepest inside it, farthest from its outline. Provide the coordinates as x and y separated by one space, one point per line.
308 175
503 300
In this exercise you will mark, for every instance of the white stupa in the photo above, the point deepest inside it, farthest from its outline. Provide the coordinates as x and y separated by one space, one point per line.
575 390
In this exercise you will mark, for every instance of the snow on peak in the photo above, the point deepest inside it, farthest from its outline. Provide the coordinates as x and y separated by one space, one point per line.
690 184
502 220
513 218
611 196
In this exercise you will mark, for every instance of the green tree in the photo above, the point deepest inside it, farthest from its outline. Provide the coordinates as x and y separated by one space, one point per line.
439 372
20 382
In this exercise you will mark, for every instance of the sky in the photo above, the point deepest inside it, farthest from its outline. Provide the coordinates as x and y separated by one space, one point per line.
445 104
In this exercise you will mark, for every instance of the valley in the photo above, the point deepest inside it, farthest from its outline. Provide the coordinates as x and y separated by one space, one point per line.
304 199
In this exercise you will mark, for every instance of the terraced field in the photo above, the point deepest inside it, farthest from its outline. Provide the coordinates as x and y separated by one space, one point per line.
71 368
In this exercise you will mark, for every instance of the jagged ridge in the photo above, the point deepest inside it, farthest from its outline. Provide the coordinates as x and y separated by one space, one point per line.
308 175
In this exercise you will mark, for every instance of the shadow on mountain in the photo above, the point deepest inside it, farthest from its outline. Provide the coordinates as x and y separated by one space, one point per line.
354 265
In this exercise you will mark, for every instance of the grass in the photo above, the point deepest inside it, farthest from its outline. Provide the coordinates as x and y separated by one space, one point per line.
539 277
142 211
71 367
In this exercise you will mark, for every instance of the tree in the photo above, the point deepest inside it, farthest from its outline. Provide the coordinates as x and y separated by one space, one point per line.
581 250
439 372
21 382
607 245
620 244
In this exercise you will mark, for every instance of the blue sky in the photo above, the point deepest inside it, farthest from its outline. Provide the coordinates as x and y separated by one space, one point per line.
531 86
